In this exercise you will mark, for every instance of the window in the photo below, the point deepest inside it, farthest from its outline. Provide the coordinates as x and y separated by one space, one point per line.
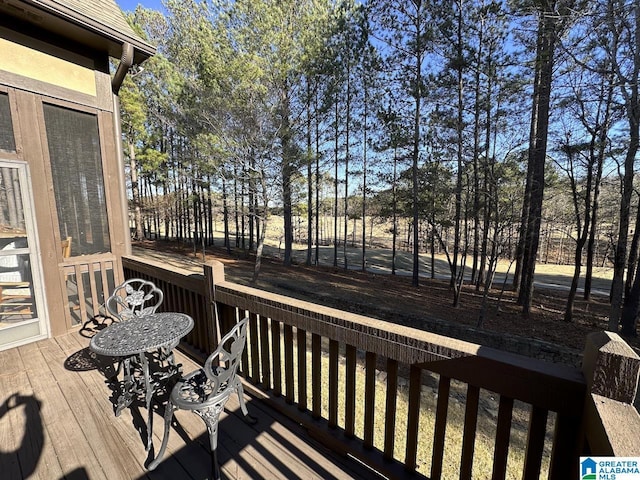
7 141
78 182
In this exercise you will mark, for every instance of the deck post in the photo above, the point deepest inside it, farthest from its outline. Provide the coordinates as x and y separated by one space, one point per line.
611 369
213 275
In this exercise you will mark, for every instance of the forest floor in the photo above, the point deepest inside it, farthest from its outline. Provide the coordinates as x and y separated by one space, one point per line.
393 298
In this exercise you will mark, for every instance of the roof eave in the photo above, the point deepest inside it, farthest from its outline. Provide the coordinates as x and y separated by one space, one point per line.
111 38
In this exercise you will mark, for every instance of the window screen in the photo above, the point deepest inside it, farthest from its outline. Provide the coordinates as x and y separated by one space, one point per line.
78 182
7 142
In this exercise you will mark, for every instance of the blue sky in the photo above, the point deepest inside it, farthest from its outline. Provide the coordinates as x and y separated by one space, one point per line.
130 5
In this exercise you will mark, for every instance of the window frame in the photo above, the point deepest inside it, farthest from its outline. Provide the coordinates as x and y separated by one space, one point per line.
13 109
103 140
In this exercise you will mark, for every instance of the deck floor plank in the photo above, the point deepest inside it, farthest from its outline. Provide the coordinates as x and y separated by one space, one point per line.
90 416
183 464
15 425
71 446
12 425
76 435
36 449
129 441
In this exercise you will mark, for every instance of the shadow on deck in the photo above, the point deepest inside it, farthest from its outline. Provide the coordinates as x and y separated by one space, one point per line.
57 422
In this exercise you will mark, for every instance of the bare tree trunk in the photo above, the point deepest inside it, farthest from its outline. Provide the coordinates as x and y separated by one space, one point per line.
135 192
309 178
628 85
478 265
335 185
317 150
260 247
225 215
459 146
364 181
414 169
547 34
287 174
394 206
346 168
602 141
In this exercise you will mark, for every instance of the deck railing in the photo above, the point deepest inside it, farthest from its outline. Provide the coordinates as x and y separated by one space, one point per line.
88 281
409 402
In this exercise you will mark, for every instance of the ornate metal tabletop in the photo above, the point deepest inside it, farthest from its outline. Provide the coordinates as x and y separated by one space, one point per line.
141 334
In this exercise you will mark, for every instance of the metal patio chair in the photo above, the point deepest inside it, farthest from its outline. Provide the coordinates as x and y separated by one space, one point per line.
205 391
137 297
134 298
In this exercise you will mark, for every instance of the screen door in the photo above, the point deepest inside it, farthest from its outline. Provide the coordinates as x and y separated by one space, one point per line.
22 316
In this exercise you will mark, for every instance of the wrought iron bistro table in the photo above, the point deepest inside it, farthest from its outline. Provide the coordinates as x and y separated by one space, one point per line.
135 337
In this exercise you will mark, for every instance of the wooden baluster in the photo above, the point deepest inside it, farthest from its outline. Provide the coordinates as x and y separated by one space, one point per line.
316 375
503 433
390 411
567 445
202 318
415 386
442 407
302 369
333 384
469 436
92 286
210 279
277 364
245 354
535 443
80 285
265 361
288 363
106 288
253 342
369 398
350 391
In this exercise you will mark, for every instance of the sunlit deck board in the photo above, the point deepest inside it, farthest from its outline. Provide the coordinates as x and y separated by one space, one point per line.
73 432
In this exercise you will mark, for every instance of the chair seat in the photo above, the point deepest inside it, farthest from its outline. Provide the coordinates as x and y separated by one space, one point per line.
195 391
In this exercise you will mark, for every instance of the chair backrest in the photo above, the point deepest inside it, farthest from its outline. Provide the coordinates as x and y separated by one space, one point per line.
134 298
222 365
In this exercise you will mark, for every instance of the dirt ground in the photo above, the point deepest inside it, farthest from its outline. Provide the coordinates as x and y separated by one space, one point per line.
394 299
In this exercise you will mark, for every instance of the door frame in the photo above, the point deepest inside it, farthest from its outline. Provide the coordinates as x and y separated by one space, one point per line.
35 258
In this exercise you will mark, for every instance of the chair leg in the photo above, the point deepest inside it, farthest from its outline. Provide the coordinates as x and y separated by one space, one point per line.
240 391
168 416
215 468
211 416
250 419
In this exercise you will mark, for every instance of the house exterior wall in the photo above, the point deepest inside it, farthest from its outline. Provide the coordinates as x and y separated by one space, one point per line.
37 69
41 67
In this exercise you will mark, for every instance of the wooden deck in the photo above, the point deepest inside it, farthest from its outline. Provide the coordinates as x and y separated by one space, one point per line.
57 422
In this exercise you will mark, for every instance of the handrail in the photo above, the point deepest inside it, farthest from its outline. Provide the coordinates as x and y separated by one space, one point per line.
305 359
